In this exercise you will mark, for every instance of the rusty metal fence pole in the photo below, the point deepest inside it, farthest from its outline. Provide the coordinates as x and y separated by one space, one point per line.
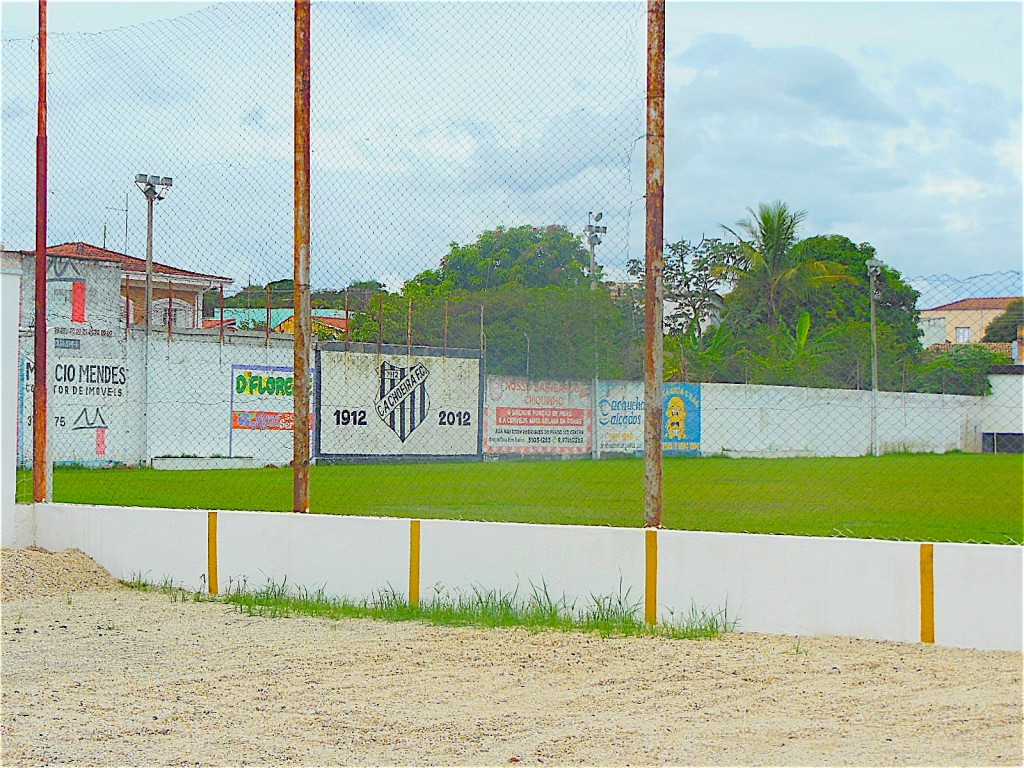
41 490
654 264
301 305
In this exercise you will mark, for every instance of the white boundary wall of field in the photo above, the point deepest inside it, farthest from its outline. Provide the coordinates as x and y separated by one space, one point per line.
775 584
190 386
758 420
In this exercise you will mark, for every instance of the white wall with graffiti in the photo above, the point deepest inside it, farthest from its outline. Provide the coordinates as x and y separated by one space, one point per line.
113 401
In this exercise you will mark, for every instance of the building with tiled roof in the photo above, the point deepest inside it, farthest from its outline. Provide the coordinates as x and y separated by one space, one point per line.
963 321
177 292
330 327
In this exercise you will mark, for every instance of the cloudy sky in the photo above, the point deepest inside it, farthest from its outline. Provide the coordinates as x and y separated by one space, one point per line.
898 124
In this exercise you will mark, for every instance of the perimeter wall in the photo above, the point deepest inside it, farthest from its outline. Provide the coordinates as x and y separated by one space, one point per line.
964 595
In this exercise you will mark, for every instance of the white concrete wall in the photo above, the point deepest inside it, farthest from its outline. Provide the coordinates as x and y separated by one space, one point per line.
349 556
794 585
574 561
978 596
775 584
766 420
192 393
1003 410
156 544
16 525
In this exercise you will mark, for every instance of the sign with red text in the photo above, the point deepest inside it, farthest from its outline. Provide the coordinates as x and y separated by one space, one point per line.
522 416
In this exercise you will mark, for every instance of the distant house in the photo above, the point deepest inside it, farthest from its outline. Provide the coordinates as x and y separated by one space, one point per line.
963 321
177 293
327 325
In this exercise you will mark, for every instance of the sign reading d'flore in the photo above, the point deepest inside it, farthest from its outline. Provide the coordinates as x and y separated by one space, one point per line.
398 404
262 415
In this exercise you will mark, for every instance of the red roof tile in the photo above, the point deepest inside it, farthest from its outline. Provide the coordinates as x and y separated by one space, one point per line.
984 302
128 263
334 322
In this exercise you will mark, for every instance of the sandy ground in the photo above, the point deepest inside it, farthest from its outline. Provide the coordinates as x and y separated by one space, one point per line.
101 675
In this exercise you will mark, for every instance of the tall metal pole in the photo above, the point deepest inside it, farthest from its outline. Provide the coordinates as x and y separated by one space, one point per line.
593 264
149 262
873 269
654 262
41 490
300 303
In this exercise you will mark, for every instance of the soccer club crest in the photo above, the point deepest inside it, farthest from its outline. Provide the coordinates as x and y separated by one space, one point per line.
402 403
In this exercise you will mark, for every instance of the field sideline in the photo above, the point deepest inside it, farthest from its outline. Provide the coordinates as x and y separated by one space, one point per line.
926 497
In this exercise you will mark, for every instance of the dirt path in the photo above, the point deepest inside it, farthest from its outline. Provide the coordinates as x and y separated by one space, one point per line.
122 677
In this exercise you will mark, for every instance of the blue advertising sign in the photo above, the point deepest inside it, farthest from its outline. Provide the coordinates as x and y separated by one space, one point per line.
680 432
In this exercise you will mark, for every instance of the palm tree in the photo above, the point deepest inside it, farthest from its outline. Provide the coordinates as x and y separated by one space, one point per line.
769 269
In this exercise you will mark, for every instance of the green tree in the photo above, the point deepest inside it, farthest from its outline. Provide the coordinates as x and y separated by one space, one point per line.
532 257
962 370
1005 326
770 271
693 280
571 329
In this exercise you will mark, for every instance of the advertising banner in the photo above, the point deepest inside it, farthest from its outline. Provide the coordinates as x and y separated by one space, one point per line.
522 416
89 412
262 416
681 430
398 404
620 417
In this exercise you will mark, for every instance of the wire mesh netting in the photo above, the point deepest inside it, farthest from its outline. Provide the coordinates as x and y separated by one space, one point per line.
476 267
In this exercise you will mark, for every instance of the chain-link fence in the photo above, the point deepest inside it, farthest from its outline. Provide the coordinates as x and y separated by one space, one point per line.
477 241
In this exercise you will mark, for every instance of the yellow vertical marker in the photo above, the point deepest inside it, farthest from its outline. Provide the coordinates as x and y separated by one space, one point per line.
211 552
414 563
651 591
927 593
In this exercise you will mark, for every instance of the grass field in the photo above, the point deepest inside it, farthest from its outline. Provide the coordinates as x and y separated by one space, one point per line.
952 497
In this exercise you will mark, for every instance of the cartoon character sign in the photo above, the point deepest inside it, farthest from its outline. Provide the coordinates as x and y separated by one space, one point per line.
675 414
680 432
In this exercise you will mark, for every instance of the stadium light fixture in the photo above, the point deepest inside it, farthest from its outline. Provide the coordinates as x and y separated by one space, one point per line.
594 233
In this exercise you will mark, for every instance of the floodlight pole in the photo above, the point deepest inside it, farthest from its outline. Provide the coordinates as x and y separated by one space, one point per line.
874 270
154 188
654 265
594 233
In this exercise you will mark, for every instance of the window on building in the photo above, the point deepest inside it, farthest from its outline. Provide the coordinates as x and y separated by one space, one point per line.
126 309
182 313
963 335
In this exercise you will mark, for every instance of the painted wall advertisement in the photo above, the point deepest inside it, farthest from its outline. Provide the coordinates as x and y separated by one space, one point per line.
681 426
90 419
398 405
620 418
262 415
522 416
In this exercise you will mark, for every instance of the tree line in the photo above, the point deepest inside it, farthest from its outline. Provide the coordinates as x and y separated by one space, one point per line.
757 305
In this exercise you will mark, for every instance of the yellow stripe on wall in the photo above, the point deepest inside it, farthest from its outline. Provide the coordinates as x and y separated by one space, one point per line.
927 593
651 591
414 563
211 553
